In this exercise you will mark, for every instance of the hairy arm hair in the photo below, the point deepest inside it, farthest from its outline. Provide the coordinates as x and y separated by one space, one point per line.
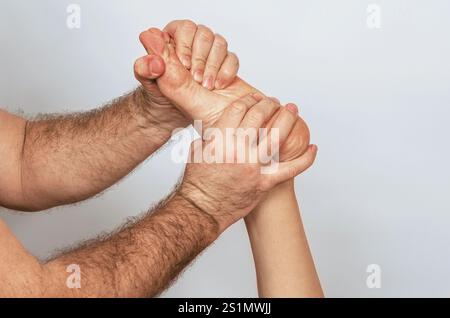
54 160
140 259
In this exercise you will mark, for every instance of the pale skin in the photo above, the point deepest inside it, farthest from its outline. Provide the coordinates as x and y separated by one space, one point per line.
283 261
60 160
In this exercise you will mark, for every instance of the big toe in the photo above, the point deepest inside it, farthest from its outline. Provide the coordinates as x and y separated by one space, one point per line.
154 41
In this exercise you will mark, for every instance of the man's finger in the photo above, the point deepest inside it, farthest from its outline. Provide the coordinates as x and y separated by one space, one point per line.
203 41
259 114
286 121
217 55
235 113
280 129
176 83
255 119
183 33
149 67
228 71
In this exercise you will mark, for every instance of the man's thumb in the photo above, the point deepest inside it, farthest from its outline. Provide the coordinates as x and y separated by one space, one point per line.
149 67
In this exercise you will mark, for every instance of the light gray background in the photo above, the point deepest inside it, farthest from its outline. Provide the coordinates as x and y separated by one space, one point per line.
377 102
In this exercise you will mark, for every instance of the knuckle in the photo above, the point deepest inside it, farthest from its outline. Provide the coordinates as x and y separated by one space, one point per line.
272 101
230 67
256 115
212 67
205 34
285 115
270 104
173 22
220 42
256 118
238 108
186 49
267 102
199 61
225 73
188 25
250 100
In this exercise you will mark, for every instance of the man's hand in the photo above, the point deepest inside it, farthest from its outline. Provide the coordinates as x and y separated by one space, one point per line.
202 52
103 145
142 258
198 102
229 191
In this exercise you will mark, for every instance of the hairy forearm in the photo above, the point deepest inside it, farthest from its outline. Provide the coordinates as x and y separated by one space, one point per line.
283 261
140 260
70 158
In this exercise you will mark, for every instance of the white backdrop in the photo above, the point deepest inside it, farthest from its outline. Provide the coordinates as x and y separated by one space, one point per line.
377 101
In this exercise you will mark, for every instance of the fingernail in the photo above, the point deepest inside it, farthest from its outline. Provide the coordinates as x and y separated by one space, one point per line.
198 76
219 84
155 68
186 60
292 108
208 82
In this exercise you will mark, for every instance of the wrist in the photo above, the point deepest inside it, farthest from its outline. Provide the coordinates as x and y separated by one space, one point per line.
205 205
282 193
156 120
211 226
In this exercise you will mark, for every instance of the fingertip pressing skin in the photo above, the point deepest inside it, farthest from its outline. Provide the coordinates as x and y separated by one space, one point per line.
202 52
260 113
286 121
193 44
203 42
280 128
183 33
217 55
234 115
